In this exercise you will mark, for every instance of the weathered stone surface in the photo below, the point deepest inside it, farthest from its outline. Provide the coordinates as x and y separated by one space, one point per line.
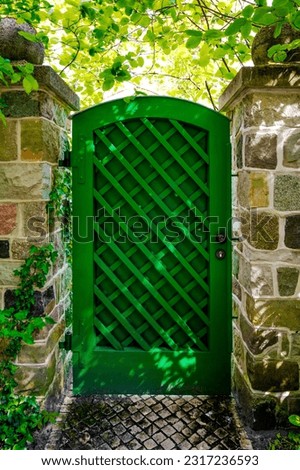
20 248
258 340
7 277
257 279
281 313
38 352
287 193
283 255
295 346
34 218
15 47
236 288
261 150
235 263
265 39
4 249
259 190
291 150
44 301
292 232
239 152
8 139
239 349
277 79
36 379
260 229
243 186
257 409
264 109
48 79
287 280
8 218
28 181
40 141
273 376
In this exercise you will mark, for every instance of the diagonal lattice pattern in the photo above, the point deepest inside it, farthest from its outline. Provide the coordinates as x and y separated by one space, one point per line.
151 251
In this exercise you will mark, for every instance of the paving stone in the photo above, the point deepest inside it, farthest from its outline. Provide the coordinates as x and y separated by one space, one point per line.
127 437
164 413
149 444
168 444
178 438
119 429
142 436
168 430
159 437
134 445
130 422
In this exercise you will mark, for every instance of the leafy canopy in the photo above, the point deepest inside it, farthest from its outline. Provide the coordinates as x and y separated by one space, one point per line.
187 48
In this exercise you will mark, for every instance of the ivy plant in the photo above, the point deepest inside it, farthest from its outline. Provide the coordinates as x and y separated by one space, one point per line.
20 415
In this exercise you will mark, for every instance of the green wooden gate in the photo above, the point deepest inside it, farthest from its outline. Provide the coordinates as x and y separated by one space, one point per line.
151 276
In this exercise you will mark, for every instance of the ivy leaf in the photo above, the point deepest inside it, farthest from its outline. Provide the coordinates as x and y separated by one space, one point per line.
30 84
295 420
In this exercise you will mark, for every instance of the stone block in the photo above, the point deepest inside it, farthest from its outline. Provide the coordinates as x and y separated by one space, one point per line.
258 411
259 190
44 301
282 313
26 181
295 345
287 193
258 340
35 221
20 247
38 352
236 288
37 104
7 277
260 229
9 141
239 349
287 280
291 150
4 249
273 376
35 379
243 187
292 232
261 151
8 218
239 152
41 140
268 110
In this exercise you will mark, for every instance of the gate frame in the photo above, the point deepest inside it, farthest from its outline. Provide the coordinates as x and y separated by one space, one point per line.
217 126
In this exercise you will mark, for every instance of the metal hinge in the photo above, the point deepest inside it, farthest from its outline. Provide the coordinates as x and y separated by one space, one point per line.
67 343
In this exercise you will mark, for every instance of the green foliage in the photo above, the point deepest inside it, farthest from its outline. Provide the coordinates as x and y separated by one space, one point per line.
20 416
188 49
60 206
291 441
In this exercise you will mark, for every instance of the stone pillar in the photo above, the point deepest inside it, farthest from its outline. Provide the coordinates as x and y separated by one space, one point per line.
32 143
264 105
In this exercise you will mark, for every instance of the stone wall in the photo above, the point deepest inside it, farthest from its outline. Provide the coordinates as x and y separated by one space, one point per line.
32 143
264 104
